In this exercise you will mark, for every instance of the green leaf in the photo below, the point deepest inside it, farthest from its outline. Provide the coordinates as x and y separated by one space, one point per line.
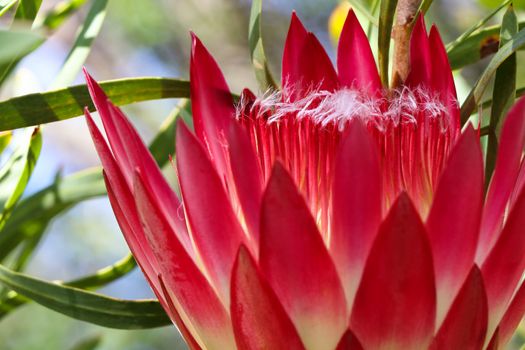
82 45
424 6
386 20
90 343
488 102
475 43
100 278
358 5
519 4
15 174
33 213
504 92
87 306
6 6
259 61
61 12
17 44
27 9
164 143
476 95
67 103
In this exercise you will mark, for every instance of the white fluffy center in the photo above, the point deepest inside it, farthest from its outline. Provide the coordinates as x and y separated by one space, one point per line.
405 106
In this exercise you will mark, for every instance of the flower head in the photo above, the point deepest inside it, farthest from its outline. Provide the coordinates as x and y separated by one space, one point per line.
334 214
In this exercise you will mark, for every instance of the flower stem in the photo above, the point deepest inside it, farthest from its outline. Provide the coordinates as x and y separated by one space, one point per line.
406 12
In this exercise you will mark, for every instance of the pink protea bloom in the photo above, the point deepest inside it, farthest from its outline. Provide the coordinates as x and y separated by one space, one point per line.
334 214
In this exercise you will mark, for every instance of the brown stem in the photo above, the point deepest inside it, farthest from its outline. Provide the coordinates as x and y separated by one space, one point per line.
405 13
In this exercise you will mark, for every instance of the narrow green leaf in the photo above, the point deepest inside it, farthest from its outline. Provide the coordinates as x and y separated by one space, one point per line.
82 45
33 213
17 44
27 9
424 6
58 14
476 95
475 43
259 61
15 174
105 275
90 343
386 20
504 92
87 306
488 103
4 7
67 103
359 6
164 143
100 278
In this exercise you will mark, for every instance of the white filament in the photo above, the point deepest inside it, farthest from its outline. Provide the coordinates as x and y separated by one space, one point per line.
341 106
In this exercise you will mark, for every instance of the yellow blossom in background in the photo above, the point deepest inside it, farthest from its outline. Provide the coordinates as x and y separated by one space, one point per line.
337 20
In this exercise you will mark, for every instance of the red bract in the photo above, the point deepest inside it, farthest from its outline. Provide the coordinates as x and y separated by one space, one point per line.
333 214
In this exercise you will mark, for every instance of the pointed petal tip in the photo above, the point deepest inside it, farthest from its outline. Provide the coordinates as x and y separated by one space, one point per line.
404 201
396 301
182 129
295 22
278 172
420 21
243 255
86 73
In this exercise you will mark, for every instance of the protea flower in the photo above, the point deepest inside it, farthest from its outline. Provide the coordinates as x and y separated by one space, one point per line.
334 214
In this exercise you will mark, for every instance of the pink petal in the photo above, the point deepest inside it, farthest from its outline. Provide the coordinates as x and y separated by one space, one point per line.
465 325
395 305
118 146
504 266
420 56
513 316
454 219
349 342
137 243
123 205
356 205
185 283
504 178
355 61
211 103
297 264
259 320
131 152
306 65
214 227
177 319
442 82
247 176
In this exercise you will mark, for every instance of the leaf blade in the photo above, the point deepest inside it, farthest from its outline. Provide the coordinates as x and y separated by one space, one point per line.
82 45
386 21
27 9
257 54
15 174
87 306
504 93
41 108
476 94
